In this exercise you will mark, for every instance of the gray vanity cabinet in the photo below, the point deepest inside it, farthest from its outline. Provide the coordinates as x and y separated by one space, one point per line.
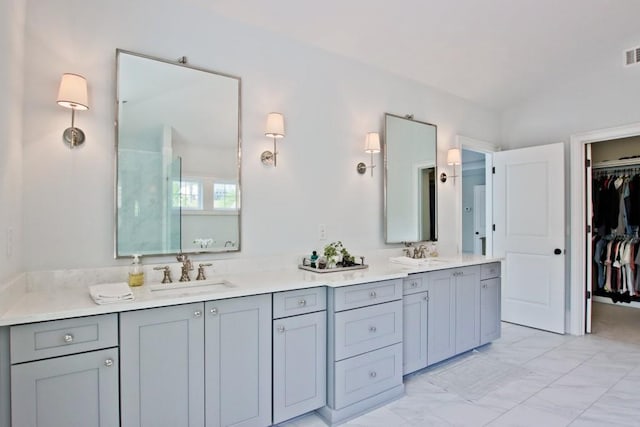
173 358
76 390
441 324
490 300
467 284
365 330
162 366
65 373
454 312
299 352
415 311
238 362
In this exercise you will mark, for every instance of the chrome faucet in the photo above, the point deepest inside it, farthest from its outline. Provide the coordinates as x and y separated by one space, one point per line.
167 273
228 242
187 266
201 275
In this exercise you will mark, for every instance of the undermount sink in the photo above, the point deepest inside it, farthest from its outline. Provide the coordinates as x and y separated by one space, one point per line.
197 285
418 261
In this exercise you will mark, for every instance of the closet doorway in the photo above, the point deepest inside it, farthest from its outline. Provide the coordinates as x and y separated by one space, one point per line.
613 246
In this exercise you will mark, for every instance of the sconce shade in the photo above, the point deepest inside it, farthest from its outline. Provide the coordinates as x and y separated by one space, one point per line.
73 92
275 125
453 156
372 143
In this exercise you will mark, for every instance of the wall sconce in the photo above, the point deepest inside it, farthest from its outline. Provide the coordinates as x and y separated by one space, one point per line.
275 130
454 158
73 94
371 145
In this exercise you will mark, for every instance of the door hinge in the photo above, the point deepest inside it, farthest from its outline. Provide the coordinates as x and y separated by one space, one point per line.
588 294
588 163
588 229
493 170
494 227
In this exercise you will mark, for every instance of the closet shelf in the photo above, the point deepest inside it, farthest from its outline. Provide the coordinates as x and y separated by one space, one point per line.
617 163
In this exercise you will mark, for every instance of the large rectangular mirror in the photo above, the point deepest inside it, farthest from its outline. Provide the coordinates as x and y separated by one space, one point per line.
177 158
410 180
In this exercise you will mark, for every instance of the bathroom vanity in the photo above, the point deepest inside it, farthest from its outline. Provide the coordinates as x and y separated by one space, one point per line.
274 346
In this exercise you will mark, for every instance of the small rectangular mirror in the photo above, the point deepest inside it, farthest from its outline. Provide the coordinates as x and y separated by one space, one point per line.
410 180
177 158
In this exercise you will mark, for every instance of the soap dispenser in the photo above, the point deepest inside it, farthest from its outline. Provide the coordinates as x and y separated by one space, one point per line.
136 275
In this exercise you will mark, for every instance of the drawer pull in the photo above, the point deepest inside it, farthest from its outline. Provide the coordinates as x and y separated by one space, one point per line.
302 302
372 294
281 329
197 313
68 338
414 284
213 311
372 374
372 329
108 363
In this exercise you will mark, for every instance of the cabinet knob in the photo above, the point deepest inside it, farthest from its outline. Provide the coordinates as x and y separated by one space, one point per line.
281 329
372 294
414 284
68 338
213 311
372 374
108 363
426 298
372 329
197 313
302 302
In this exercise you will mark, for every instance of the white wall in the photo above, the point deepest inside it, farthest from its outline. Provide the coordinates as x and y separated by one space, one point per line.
601 99
11 72
329 104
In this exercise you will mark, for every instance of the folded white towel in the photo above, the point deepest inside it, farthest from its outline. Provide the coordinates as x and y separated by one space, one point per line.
110 293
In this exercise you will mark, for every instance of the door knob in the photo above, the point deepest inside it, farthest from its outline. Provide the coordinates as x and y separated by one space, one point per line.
557 251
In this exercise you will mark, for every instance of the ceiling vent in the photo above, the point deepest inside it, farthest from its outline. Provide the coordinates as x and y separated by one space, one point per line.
632 56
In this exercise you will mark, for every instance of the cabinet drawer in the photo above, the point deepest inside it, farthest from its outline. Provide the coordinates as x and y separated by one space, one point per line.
355 296
60 337
367 375
300 301
489 271
413 285
368 328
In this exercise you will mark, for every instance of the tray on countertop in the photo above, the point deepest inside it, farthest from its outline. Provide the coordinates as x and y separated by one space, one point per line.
332 270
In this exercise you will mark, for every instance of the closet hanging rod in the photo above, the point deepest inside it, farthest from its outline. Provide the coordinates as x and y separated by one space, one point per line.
617 164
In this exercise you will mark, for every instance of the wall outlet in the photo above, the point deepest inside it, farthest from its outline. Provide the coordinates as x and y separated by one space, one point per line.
322 232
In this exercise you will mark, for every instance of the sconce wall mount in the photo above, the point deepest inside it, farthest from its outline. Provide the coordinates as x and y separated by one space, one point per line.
274 129
371 146
454 157
73 94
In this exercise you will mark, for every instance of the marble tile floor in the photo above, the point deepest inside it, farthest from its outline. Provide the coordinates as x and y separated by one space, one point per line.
565 381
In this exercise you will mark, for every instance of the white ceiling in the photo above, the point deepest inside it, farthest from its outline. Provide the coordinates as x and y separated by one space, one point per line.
493 52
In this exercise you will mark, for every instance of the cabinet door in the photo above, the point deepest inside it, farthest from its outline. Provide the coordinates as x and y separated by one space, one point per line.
489 310
441 316
299 365
162 372
77 390
467 284
415 321
238 362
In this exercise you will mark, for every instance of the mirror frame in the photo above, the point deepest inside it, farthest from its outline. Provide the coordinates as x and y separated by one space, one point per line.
409 118
178 63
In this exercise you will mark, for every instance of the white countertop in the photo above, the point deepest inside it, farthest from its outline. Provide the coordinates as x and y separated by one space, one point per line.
42 305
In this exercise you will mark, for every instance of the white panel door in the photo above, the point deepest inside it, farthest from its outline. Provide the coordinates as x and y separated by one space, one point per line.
529 234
